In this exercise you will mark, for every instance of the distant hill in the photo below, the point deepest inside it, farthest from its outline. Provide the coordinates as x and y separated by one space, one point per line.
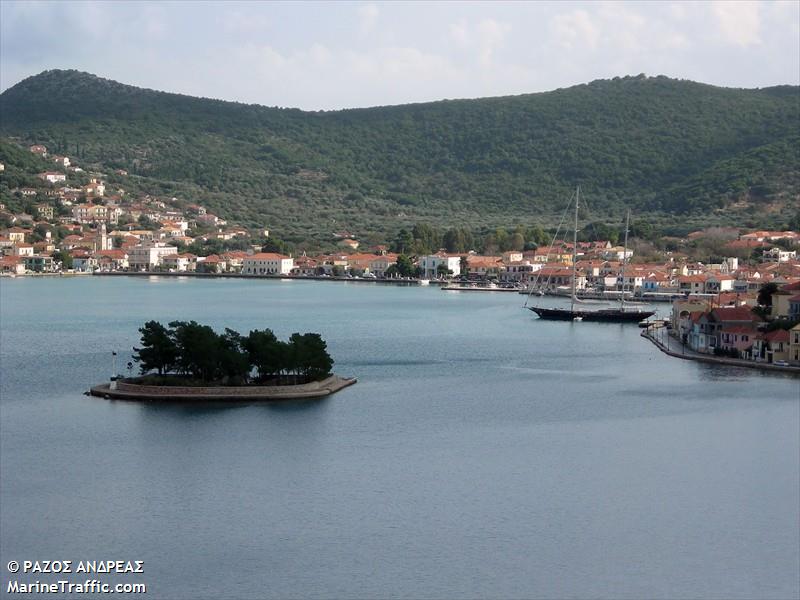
663 146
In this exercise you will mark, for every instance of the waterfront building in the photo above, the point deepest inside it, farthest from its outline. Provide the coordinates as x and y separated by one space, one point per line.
794 345
146 256
179 263
39 263
12 265
481 267
522 271
430 264
772 346
112 260
267 263
379 264
212 263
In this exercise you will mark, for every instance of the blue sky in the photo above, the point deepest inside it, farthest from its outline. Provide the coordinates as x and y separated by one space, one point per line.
329 55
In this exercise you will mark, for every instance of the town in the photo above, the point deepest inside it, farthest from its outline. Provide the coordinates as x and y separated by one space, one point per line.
744 303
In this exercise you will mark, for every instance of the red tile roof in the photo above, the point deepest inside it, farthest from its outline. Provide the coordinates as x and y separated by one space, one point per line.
779 335
267 256
740 329
734 313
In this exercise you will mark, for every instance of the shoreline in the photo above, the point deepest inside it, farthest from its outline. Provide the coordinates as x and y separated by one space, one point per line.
259 393
721 360
264 276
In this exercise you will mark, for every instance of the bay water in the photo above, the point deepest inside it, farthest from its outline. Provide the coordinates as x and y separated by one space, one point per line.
484 453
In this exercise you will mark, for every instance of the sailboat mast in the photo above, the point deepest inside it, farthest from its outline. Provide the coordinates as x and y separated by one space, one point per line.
575 251
624 259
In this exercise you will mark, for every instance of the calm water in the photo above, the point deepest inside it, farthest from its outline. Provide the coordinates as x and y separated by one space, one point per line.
483 453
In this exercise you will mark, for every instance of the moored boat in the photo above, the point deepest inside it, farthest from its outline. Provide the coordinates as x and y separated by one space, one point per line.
605 315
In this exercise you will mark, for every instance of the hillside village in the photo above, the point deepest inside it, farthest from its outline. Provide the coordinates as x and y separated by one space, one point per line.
78 223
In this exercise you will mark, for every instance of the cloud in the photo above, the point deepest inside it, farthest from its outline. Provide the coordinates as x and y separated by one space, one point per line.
238 22
575 28
459 33
738 22
481 38
155 25
491 35
318 56
367 18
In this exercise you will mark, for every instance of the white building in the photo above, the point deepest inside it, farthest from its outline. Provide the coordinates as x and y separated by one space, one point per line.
267 263
52 176
617 253
779 255
148 255
521 270
177 262
430 264
22 249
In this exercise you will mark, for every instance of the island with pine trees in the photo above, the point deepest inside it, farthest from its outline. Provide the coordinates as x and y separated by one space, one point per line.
190 361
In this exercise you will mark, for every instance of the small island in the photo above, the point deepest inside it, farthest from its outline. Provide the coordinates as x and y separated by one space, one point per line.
187 361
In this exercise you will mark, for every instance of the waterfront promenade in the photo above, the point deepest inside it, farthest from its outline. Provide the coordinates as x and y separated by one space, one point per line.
667 343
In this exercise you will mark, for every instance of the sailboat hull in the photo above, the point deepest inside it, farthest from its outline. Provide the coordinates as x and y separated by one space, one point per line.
611 315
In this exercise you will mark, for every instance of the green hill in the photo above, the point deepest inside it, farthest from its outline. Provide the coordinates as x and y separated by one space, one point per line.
665 146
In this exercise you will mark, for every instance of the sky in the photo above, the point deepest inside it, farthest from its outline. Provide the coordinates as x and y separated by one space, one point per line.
332 55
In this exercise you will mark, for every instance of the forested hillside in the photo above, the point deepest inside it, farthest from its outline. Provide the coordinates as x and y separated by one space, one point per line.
682 152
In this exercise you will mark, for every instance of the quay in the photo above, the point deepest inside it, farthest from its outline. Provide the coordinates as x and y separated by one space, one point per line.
669 347
122 390
461 288
384 280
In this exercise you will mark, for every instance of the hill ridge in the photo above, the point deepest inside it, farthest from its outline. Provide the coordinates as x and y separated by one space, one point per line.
659 144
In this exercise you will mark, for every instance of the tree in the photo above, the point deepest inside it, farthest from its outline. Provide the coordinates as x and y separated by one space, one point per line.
158 349
264 352
198 348
442 270
490 244
765 293
464 266
64 257
309 356
146 222
233 361
404 242
537 235
405 268
502 239
273 244
457 239
426 238
794 223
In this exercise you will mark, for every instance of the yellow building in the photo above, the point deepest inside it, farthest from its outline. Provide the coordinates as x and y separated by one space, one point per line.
794 344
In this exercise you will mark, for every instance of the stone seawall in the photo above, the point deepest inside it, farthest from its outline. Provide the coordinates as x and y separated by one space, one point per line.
132 391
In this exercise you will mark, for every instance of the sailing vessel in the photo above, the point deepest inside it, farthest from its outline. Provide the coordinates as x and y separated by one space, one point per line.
606 315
